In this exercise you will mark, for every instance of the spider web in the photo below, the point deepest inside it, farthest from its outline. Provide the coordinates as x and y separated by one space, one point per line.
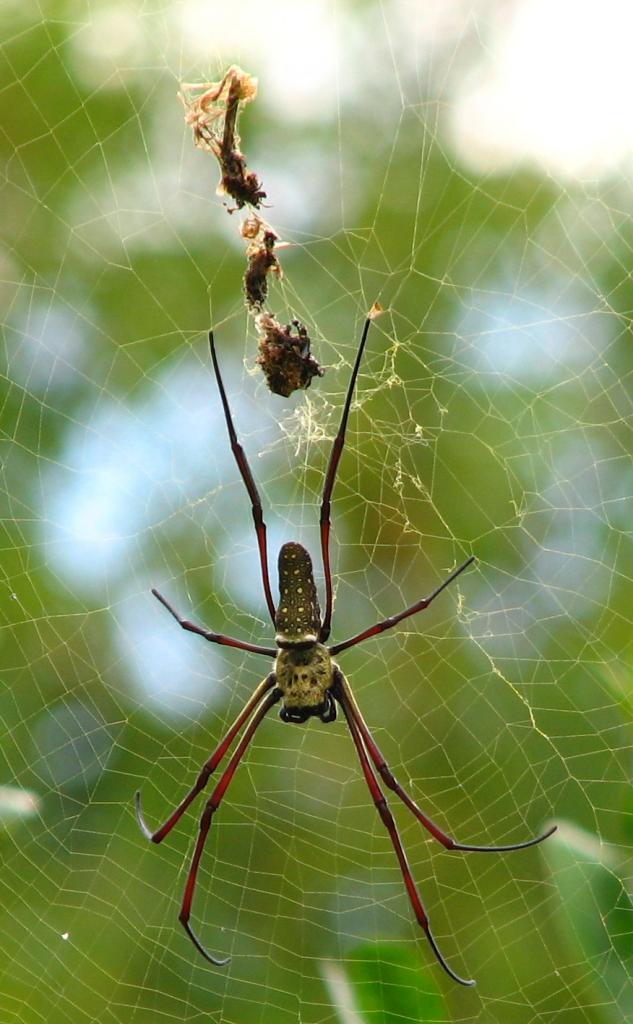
468 166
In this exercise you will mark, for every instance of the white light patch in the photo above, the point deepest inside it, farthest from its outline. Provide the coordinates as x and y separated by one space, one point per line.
532 337
292 44
554 90
17 803
129 468
45 346
168 670
113 38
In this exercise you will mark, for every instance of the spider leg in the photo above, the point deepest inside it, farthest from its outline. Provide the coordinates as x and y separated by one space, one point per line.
388 820
393 620
389 779
214 638
207 769
211 807
249 483
330 477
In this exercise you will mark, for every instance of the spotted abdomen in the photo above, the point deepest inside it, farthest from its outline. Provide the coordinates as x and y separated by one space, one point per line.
298 618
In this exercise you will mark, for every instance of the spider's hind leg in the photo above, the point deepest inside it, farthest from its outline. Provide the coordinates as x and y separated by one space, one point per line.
210 808
207 769
346 697
382 807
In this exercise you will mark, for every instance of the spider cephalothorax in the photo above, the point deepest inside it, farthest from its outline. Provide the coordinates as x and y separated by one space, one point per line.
307 681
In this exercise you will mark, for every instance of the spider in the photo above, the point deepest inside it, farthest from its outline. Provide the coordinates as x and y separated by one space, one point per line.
307 681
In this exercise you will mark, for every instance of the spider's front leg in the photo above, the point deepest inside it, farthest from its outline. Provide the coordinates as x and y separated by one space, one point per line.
328 486
245 472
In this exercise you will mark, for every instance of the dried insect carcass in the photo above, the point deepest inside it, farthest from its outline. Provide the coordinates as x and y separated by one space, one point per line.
285 357
262 260
212 109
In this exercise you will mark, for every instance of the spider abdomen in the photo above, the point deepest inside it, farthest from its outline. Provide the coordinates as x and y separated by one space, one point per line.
298 617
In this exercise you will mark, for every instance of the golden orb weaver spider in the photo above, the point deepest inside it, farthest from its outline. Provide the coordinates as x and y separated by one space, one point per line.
307 681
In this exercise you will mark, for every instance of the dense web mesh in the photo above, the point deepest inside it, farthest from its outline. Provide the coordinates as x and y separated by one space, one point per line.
468 167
